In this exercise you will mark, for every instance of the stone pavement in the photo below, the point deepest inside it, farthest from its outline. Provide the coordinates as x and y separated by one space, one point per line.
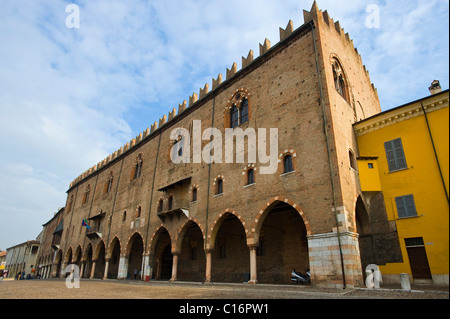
124 289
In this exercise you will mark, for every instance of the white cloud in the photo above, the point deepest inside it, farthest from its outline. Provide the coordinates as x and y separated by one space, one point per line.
70 97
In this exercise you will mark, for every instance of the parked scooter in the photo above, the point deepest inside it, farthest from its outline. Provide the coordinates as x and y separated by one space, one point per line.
299 278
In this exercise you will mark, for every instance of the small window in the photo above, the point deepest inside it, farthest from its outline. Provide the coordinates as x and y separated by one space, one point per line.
124 216
370 165
160 206
138 212
170 203
194 194
414 242
288 167
406 206
219 189
250 176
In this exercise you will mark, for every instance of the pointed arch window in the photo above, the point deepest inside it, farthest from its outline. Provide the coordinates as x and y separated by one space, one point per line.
340 81
86 194
137 168
237 111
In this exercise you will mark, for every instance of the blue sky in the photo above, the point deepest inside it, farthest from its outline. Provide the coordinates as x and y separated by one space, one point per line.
70 97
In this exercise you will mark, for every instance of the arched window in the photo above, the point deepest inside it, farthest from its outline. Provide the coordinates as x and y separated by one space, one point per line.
243 111
194 194
234 116
288 167
108 184
237 111
219 189
250 176
124 216
137 168
86 194
340 82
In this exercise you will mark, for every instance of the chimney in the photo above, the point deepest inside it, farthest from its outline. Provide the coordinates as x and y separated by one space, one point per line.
435 87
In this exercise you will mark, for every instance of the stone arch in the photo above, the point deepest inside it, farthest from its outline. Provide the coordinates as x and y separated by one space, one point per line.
111 245
161 249
99 246
182 231
86 252
130 241
113 255
76 259
189 246
134 252
68 256
259 219
155 237
218 222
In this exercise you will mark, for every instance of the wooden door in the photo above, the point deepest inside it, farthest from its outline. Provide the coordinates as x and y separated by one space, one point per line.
419 262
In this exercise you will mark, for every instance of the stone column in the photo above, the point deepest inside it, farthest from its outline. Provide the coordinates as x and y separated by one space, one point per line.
253 269
208 265
93 269
62 273
174 267
82 269
123 267
105 275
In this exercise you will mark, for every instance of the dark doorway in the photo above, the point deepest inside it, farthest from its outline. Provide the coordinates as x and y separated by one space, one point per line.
166 264
230 260
283 245
135 258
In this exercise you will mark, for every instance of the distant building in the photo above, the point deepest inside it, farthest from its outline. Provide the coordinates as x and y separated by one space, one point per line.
50 244
22 258
405 153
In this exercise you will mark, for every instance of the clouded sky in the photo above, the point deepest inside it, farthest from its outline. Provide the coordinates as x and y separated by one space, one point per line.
70 97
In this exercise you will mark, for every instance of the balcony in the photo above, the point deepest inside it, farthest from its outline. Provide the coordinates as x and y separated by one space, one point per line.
94 222
173 208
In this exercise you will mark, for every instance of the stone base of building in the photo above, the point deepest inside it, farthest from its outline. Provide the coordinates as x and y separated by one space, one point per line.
327 265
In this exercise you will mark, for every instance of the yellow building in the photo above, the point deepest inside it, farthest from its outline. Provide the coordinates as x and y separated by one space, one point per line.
404 152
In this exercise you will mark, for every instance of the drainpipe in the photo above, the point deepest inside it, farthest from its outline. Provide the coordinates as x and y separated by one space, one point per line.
329 155
209 176
151 197
434 150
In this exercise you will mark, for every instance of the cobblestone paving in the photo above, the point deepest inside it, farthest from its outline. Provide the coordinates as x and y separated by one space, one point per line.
113 289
